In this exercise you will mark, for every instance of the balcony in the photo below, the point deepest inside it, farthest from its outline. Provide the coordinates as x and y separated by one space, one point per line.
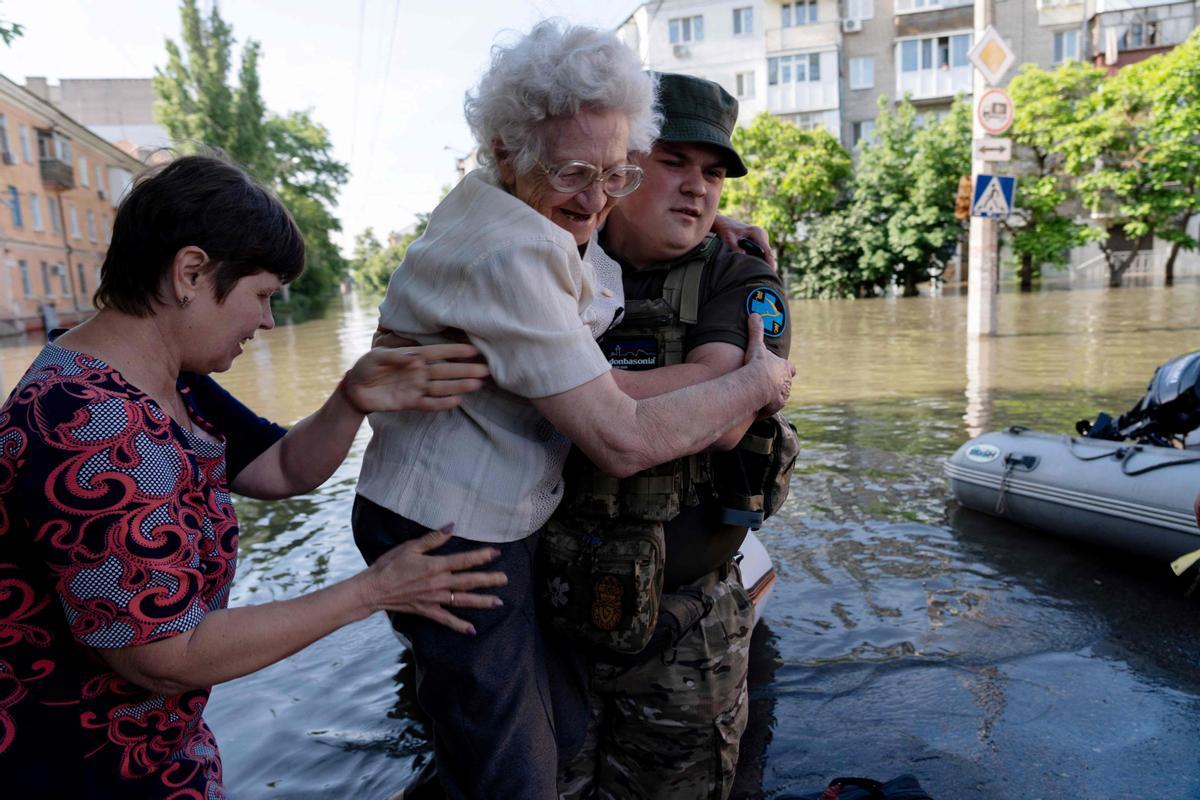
800 37
931 84
57 175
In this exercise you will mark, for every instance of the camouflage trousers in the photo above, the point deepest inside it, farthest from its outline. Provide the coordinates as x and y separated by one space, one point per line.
669 728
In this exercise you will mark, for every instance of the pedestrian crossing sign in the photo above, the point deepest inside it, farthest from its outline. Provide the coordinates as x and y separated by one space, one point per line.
993 196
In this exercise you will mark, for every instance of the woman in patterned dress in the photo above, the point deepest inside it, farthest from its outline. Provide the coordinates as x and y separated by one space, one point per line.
118 538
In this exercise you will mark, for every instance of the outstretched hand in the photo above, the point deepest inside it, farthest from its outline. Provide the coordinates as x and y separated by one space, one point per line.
410 580
777 372
429 378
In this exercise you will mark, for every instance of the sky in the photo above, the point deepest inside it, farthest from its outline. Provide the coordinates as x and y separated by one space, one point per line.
386 77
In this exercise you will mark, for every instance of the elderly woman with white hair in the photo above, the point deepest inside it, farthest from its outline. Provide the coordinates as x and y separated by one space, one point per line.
556 118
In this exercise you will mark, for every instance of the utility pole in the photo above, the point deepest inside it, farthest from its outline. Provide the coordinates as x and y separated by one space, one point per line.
984 233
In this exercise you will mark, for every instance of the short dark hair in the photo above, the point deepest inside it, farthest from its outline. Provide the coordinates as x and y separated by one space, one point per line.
206 202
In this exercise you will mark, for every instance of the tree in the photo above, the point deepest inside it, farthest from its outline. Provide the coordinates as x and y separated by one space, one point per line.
1136 157
10 31
292 154
904 192
373 264
794 177
1044 225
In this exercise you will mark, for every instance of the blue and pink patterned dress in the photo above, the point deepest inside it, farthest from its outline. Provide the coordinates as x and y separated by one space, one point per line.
116 530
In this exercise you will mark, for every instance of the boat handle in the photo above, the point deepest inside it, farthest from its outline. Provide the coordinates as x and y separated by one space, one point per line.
1024 463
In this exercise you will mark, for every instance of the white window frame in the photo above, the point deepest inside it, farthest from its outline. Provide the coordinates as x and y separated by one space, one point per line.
73 222
787 65
85 180
744 83
46 287
1060 53
107 228
686 30
860 9
865 131
26 277
35 212
4 136
918 6
64 279
857 78
91 225
26 150
928 53
100 178
55 213
743 21
799 12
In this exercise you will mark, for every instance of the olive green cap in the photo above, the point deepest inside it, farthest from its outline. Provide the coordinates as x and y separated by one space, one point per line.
697 111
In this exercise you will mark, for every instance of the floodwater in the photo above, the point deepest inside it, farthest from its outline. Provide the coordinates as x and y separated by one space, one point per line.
904 634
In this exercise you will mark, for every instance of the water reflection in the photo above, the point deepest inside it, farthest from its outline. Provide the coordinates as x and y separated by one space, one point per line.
991 661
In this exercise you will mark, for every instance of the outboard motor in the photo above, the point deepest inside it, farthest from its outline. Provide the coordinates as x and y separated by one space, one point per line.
1168 412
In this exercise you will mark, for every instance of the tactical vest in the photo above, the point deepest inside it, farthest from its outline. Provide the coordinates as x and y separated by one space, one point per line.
651 335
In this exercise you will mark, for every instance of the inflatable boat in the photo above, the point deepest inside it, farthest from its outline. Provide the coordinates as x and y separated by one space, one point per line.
1128 483
758 574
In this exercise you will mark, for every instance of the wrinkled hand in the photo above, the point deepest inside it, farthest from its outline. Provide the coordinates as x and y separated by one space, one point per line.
410 580
430 378
776 372
731 230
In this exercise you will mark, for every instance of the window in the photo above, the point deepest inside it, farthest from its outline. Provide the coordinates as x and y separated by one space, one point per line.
84 180
64 280
73 219
806 67
4 137
82 279
801 13
940 52
861 132
860 9
908 6
743 21
35 212
46 290
687 29
26 152
745 85
26 280
1066 46
55 214
100 180
104 226
63 148
862 72
14 202
91 223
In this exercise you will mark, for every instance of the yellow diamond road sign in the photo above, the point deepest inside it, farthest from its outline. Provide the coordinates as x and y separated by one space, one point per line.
992 56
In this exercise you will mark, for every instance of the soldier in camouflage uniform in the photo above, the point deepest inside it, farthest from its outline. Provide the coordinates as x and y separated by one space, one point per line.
667 723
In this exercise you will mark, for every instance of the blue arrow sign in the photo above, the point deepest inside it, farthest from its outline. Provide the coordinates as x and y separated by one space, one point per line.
993 196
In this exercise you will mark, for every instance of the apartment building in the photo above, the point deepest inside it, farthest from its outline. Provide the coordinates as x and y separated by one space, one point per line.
120 110
60 184
827 62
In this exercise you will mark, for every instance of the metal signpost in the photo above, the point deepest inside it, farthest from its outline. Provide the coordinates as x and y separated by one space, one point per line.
992 58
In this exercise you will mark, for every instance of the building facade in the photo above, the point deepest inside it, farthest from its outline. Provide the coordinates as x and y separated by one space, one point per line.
120 110
827 63
60 185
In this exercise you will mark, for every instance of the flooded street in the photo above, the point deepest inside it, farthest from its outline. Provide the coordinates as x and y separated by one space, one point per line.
904 634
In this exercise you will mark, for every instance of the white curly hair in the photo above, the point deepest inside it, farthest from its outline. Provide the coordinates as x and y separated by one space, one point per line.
553 72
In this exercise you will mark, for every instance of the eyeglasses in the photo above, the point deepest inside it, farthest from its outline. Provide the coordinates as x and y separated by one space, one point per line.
575 176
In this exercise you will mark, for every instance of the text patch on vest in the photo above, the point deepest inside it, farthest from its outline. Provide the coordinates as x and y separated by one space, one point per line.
630 352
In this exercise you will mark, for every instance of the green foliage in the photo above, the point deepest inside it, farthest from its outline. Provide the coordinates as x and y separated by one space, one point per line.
373 264
1045 224
795 176
1135 153
292 154
10 31
904 192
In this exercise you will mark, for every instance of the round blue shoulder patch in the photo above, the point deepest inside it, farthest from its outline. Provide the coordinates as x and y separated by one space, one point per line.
766 302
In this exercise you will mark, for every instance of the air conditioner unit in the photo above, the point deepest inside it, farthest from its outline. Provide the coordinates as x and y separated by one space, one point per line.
851 25
683 51
8 158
